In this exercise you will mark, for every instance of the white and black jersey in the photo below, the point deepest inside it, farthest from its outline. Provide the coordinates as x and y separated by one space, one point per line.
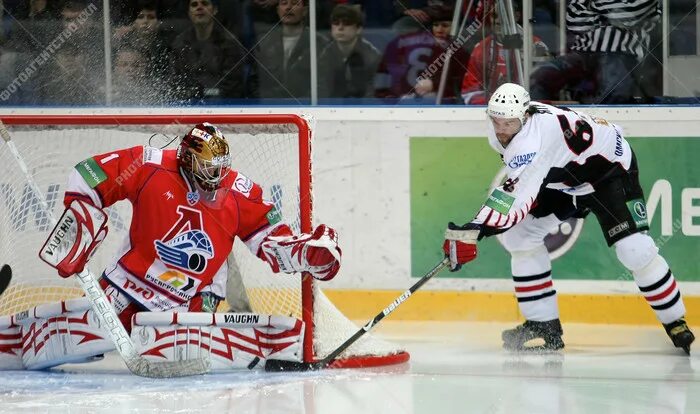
618 26
558 149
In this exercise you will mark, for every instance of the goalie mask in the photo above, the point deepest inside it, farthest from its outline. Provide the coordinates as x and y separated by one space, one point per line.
204 156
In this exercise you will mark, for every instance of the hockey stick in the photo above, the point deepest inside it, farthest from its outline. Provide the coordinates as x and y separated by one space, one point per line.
103 309
5 278
276 365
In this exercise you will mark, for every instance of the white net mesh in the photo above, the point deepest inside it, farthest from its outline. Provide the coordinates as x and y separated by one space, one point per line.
266 153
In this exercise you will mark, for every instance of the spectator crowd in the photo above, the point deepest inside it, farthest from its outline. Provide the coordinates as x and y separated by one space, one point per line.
175 52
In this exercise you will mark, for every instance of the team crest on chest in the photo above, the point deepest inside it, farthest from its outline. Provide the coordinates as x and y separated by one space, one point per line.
186 246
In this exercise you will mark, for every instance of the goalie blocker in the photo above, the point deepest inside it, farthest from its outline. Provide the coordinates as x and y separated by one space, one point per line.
69 332
75 238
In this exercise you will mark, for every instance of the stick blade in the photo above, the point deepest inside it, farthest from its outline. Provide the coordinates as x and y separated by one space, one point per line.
278 365
5 277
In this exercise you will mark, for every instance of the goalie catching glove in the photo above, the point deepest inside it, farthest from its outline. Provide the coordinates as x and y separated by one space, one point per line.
316 253
460 244
73 241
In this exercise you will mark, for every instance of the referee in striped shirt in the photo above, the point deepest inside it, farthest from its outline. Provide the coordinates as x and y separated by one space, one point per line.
611 38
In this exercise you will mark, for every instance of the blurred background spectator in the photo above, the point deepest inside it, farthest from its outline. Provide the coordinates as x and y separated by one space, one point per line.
208 58
490 63
348 63
611 40
282 55
217 52
415 15
70 79
129 78
146 44
411 66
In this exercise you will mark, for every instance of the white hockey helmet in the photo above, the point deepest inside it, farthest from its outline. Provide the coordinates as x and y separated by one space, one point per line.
509 101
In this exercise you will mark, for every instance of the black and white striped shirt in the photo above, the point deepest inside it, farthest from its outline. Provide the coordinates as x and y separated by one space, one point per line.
621 26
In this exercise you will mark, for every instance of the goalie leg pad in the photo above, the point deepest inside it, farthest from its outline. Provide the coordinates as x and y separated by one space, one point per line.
232 341
10 345
75 238
53 334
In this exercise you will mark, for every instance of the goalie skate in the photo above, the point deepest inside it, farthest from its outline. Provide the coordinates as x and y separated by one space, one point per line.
516 339
680 334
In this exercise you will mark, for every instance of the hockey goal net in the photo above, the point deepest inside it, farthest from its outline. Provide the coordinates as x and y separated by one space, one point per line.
272 150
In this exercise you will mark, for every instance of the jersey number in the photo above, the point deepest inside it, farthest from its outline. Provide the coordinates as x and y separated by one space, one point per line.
581 138
417 60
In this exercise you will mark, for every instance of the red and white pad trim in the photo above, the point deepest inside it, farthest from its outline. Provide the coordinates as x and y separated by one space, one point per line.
231 340
10 345
52 334
74 239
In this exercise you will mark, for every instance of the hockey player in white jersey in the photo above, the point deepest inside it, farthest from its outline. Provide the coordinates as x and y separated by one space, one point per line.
561 164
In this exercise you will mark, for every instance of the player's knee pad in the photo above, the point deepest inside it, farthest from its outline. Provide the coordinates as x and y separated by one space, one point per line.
531 262
58 333
525 243
636 251
529 234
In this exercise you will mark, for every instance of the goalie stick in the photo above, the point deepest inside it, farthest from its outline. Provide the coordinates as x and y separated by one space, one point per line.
276 365
106 314
5 278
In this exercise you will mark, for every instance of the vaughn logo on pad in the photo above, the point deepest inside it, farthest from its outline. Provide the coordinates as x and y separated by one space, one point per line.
59 243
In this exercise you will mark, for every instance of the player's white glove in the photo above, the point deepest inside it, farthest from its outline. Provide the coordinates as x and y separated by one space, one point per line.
316 253
73 241
460 244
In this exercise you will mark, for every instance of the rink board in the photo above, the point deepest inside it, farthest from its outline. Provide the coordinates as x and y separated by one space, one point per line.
364 187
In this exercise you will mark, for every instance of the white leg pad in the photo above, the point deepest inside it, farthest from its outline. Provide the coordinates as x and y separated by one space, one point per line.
534 287
65 332
529 234
531 262
55 334
659 288
10 345
232 341
651 272
532 268
636 251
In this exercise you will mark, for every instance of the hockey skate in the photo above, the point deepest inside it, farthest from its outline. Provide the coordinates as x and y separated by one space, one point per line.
550 331
680 334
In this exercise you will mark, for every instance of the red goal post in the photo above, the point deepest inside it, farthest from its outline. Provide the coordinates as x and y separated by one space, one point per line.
262 137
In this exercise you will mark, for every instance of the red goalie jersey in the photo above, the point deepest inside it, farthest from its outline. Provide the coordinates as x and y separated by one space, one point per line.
177 243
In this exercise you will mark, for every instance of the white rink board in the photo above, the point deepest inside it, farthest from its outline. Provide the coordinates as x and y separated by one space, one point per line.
361 179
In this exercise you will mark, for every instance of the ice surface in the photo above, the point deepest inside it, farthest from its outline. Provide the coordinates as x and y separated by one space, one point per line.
455 368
